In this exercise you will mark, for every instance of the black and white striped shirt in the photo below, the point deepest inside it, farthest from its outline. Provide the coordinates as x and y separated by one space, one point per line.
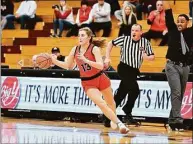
131 51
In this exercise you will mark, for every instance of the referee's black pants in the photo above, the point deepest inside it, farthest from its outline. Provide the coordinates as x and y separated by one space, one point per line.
128 85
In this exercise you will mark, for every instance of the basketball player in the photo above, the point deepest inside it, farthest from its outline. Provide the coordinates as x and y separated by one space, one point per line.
94 81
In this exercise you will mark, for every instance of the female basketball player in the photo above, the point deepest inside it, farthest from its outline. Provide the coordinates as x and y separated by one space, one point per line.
94 81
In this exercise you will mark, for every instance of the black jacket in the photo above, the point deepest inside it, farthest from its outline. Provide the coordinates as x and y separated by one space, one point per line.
60 58
9 7
174 52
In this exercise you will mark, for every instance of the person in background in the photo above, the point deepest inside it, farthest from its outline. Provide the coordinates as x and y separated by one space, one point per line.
34 64
63 19
83 18
102 17
190 9
158 27
126 20
92 2
137 6
25 13
114 5
178 60
7 8
148 5
191 60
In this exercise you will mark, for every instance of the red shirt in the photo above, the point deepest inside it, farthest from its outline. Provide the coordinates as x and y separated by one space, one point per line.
63 15
84 14
85 69
158 22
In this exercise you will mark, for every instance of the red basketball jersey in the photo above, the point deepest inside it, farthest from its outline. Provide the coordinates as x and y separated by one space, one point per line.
85 69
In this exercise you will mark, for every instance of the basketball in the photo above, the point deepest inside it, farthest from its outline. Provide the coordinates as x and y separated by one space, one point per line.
43 61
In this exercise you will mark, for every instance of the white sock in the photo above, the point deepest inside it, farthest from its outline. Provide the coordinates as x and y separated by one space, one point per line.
120 124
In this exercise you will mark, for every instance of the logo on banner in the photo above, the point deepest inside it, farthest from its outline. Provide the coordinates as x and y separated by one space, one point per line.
186 110
10 93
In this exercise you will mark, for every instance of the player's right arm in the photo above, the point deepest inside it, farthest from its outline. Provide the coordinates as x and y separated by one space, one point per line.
68 62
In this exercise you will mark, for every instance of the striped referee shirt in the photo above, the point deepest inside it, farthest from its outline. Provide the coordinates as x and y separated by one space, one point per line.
131 51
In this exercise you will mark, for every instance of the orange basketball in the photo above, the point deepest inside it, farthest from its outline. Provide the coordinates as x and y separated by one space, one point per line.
43 61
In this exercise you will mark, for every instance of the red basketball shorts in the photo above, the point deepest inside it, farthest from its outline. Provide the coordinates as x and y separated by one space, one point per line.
101 82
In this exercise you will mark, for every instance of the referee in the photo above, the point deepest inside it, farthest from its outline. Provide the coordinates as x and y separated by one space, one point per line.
134 49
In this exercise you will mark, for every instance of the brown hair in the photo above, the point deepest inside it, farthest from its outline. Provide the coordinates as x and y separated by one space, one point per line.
97 42
67 6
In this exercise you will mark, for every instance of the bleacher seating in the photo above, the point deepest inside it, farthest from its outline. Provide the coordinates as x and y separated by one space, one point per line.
27 51
21 45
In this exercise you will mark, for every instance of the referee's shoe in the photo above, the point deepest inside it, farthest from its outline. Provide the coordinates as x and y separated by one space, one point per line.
130 121
106 121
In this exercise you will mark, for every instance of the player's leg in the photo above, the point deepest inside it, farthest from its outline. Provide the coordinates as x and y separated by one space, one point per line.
108 97
95 95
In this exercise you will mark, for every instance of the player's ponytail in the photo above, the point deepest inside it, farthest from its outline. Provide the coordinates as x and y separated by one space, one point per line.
99 42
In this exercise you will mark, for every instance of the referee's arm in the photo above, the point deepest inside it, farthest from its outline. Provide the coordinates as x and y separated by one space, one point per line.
148 52
107 56
116 42
108 50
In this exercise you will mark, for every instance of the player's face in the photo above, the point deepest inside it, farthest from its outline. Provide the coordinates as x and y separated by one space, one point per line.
83 38
182 23
136 32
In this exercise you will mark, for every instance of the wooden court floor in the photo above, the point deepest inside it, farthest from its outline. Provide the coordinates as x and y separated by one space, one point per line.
35 131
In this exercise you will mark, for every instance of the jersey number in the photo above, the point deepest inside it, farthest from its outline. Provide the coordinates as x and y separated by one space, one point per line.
86 67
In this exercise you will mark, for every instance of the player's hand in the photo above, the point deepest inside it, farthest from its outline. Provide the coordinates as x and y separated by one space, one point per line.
82 57
106 63
53 56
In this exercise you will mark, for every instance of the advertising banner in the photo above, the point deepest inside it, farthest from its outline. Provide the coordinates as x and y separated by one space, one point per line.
67 95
